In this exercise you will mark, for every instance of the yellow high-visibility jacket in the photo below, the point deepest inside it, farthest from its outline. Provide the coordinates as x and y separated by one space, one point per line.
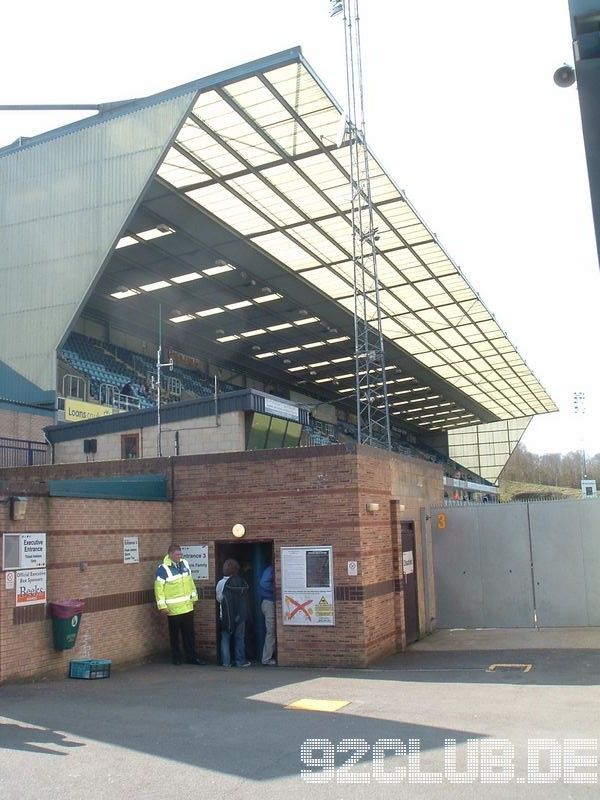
174 587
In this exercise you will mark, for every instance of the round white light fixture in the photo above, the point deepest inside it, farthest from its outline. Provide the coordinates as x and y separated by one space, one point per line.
238 530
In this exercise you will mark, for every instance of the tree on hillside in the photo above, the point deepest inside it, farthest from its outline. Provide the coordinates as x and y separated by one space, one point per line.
550 469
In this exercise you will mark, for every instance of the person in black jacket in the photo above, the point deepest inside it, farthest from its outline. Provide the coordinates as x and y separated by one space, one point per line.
232 595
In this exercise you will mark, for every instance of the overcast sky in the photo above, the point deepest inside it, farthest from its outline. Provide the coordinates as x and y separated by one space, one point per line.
462 112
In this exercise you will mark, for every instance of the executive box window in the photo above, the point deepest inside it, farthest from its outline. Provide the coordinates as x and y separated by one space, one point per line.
130 445
266 432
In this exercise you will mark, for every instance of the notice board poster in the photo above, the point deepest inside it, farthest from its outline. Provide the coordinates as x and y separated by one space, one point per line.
30 587
307 585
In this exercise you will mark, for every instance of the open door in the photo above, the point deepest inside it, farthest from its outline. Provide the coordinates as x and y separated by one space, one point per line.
253 558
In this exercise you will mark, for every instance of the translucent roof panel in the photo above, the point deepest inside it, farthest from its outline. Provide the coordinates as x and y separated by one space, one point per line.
260 154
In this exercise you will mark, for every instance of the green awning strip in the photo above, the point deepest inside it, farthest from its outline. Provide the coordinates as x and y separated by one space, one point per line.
127 487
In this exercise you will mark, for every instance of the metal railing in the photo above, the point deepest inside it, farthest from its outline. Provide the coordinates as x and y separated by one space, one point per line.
22 453
75 386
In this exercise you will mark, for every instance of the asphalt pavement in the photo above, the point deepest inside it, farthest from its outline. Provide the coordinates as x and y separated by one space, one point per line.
461 714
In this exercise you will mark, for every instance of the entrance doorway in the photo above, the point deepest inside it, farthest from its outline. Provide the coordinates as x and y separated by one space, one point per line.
253 558
409 568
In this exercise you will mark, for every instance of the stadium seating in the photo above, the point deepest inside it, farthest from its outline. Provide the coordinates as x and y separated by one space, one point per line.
114 366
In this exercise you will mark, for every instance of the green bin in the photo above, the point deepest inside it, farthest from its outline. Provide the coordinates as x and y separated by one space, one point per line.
66 616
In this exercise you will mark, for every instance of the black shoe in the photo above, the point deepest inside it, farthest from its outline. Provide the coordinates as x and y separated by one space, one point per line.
197 662
177 662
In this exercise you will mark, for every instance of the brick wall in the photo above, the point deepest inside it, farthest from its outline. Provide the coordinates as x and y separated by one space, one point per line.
297 497
18 425
84 542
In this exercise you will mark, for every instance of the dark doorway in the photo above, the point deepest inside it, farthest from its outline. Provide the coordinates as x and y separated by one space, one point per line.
252 557
409 568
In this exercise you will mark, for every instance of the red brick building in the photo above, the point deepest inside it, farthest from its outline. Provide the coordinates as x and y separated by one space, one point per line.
351 498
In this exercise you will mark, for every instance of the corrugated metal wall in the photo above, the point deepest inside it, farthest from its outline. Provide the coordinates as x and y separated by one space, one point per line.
510 565
64 204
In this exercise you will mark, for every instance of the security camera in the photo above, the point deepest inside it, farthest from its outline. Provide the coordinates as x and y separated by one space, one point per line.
564 76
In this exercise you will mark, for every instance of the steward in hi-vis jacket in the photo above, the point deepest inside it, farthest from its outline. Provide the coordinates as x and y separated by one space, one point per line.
175 593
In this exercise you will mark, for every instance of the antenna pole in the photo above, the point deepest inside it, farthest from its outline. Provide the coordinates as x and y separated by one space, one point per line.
159 366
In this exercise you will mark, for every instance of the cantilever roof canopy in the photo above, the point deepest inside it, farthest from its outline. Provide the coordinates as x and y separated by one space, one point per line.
246 232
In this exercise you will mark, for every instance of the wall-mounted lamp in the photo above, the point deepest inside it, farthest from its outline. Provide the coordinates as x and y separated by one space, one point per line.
18 507
372 507
238 530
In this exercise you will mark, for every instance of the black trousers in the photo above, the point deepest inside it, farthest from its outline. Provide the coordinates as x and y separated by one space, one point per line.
184 624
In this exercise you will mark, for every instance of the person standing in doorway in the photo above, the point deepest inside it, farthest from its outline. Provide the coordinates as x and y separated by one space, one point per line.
175 593
232 596
267 606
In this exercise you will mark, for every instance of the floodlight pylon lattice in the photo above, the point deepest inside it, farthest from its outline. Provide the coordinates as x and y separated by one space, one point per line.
372 408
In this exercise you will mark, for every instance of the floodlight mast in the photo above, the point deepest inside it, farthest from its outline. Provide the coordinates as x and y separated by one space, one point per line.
372 408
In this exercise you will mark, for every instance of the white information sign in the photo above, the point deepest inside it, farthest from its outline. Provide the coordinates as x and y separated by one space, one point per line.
407 563
30 587
197 557
281 409
353 569
33 550
131 550
307 585
9 580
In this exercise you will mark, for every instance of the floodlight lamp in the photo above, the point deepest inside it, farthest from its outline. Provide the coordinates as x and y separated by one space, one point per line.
564 76
18 508
335 7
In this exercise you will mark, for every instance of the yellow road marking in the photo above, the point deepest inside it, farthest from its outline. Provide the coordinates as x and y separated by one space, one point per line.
309 704
523 667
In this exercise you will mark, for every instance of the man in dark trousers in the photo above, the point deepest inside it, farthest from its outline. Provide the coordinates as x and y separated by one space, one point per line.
267 606
175 593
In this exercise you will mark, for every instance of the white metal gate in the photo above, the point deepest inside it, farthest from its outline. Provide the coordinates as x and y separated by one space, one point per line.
510 565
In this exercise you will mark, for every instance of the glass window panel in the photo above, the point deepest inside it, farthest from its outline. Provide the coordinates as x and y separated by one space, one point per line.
286 251
220 202
388 275
292 434
412 323
296 188
257 435
325 280
403 259
411 298
178 170
276 433
434 320
317 243
261 197
452 337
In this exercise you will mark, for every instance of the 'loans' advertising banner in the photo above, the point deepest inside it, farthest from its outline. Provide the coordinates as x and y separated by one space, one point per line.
76 410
